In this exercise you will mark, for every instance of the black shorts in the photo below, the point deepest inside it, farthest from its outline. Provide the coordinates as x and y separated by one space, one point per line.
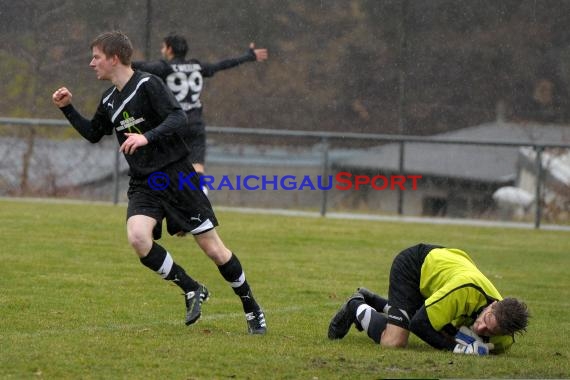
182 202
195 139
404 289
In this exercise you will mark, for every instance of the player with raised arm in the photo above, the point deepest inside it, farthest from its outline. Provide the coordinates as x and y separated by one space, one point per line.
185 78
148 121
438 294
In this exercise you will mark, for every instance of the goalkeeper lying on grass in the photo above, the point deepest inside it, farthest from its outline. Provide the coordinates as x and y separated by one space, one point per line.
438 294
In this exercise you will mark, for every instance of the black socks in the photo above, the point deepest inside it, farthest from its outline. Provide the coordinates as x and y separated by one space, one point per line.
160 261
372 321
232 272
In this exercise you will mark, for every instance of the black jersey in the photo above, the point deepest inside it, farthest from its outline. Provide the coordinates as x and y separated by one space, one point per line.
143 106
185 78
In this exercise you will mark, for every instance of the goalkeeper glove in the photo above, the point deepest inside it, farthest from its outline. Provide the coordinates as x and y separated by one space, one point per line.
470 343
466 336
475 348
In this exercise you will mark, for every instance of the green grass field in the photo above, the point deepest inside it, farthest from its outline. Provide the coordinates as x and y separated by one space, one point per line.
76 302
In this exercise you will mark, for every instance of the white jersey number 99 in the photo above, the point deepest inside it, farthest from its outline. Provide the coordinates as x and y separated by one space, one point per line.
183 84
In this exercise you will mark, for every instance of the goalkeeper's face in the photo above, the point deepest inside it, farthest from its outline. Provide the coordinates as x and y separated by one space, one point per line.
486 323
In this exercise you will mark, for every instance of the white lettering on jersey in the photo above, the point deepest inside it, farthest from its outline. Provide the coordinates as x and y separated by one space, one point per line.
129 123
186 67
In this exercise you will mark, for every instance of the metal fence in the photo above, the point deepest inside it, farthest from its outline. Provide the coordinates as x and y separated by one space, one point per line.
62 159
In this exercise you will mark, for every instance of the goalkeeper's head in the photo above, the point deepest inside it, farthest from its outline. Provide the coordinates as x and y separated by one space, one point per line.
511 316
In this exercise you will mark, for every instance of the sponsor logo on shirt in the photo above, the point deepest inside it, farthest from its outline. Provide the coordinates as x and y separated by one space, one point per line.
129 123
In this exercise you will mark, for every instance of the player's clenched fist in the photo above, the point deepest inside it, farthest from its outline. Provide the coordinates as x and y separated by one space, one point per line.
61 97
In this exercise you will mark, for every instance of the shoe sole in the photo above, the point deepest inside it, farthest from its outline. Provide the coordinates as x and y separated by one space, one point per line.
257 332
333 327
334 324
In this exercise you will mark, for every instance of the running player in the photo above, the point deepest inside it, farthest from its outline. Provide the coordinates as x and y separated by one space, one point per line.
147 121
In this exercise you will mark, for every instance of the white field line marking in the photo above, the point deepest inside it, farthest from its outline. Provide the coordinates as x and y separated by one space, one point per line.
162 322
205 317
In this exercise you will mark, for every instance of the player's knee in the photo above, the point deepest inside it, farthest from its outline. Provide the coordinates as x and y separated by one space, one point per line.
397 330
140 241
394 337
220 255
140 233
397 342
213 247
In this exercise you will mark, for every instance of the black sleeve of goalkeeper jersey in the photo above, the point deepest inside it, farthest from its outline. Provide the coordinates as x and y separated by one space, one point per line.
209 69
89 129
421 326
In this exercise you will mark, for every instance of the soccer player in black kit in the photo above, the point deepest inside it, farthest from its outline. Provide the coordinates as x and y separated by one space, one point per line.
185 78
148 121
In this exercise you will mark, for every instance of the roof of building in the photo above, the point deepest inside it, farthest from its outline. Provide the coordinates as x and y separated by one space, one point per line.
471 162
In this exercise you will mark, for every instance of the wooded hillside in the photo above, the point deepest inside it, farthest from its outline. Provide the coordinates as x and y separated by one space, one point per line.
411 67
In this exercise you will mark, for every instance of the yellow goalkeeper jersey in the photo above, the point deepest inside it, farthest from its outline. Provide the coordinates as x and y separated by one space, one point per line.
456 291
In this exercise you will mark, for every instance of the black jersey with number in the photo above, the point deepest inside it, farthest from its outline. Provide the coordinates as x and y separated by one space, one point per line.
143 106
185 78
